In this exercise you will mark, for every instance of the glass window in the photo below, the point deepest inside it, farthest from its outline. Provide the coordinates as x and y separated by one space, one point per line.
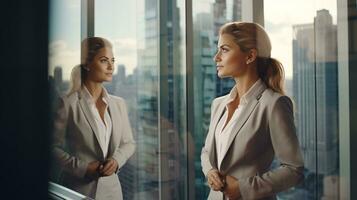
64 42
306 43
149 38
208 17
64 52
153 73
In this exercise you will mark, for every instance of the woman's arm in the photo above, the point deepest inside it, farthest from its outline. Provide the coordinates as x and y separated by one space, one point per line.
287 151
205 160
68 163
127 145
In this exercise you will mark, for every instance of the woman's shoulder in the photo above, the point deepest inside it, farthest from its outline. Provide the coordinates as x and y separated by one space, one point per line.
271 97
117 99
219 100
69 98
271 94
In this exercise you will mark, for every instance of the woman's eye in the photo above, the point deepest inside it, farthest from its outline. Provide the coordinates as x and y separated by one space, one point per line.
103 61
224 50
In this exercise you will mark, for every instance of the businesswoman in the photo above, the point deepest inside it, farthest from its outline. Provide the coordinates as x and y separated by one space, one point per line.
92 137
252 124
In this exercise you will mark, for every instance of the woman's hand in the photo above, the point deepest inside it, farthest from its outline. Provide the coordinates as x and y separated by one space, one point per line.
214 180
232 188
108 167
92 170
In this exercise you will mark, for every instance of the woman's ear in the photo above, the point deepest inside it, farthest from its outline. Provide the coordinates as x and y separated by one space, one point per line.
85 67
252 56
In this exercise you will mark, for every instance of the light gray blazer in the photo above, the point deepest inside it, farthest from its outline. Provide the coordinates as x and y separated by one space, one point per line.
75 144
265 129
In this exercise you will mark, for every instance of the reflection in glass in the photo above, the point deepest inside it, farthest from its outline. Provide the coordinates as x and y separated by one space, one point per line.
64 49
149 38
92 137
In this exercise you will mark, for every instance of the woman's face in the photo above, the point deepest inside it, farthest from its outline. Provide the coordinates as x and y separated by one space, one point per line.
102 66
230 60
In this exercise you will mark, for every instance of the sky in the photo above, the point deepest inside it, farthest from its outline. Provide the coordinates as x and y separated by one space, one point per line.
116 20
281 15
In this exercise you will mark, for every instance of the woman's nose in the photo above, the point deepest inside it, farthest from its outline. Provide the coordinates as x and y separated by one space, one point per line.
110 65
216 57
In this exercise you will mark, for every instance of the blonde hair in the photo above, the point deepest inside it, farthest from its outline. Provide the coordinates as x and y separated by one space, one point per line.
89 49
249 36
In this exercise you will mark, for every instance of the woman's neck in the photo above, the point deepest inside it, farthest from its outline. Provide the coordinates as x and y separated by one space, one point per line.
94 88
244 83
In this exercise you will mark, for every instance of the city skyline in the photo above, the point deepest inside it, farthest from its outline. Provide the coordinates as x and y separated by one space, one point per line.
65 42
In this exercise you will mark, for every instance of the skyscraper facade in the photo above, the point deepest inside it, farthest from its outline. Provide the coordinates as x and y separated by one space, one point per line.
315 93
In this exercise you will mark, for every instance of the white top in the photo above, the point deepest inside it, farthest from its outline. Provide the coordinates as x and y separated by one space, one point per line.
104 127
222 135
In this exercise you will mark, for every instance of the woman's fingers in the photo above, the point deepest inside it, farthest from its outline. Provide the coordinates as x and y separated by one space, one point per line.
110 170
214 180
109 167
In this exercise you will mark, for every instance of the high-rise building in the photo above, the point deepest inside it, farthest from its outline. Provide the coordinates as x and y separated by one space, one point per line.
159 86
58 75
315 92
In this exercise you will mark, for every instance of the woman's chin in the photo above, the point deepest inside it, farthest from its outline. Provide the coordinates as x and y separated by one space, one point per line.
221 75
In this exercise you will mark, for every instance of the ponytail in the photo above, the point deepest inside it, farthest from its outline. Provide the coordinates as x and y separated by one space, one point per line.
76 80
271 71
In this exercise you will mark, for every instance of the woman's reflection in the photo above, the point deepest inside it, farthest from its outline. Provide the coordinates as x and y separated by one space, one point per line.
92 135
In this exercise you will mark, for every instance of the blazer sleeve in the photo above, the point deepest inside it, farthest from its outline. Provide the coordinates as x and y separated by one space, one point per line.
287 151
68 163
127 145
205 160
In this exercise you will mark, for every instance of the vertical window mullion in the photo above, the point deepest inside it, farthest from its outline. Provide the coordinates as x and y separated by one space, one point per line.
87 18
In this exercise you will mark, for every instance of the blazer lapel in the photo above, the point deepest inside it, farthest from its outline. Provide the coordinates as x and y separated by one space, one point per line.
246 113
89 116
220 111
115 117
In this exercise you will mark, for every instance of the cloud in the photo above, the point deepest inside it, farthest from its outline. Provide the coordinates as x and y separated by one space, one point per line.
74 4
281 15
125 50
61 55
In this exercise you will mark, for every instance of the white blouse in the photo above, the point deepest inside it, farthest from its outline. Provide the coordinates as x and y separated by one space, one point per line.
104 127
222 135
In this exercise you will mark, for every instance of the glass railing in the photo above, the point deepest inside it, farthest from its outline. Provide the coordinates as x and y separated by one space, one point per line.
58 192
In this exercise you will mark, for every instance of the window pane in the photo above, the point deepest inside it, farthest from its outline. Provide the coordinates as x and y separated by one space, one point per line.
148 39
64 42
304 39
208 17
64 52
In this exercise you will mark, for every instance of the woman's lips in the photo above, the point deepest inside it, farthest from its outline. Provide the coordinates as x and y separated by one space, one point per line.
219 67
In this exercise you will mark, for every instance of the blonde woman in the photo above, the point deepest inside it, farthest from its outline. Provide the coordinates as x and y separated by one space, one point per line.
253 123
92 137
